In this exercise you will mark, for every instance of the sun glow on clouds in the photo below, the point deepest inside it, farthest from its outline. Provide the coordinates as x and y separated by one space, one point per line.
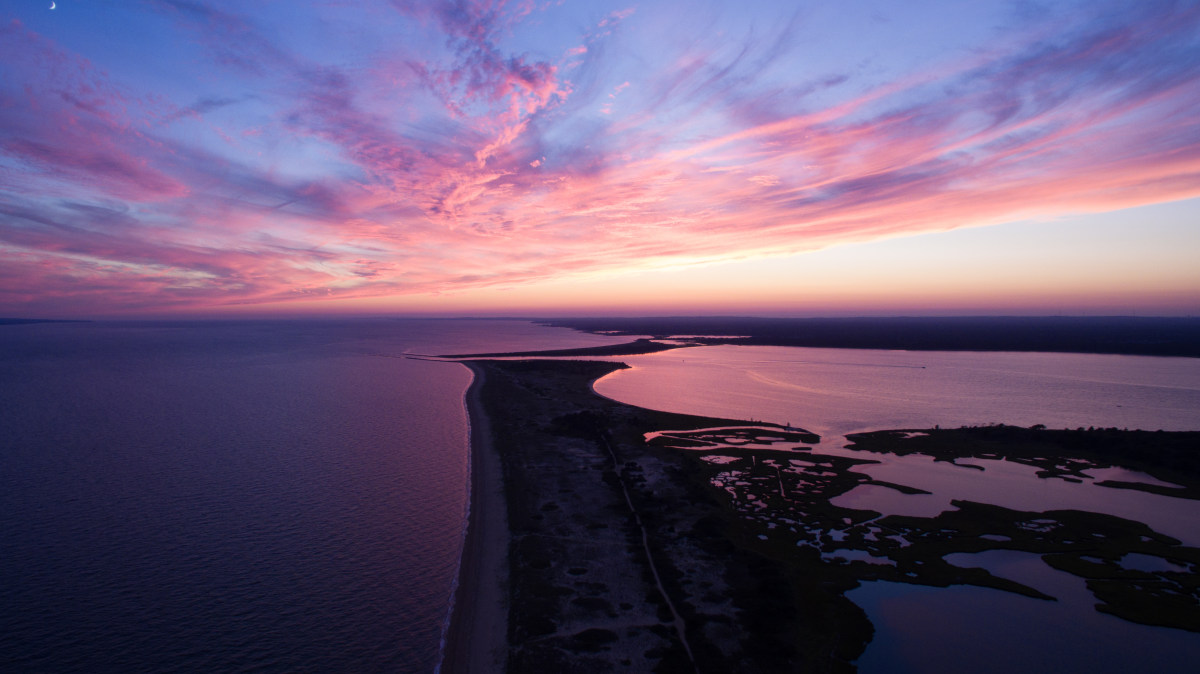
479 154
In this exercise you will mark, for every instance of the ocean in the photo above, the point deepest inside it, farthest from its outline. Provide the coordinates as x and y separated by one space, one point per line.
235 496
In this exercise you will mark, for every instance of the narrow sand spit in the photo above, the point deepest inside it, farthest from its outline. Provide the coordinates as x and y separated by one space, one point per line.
477 640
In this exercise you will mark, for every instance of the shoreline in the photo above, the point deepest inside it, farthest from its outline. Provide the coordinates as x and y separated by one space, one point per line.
477 637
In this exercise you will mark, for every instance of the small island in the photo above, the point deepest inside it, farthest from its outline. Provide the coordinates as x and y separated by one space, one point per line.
637 540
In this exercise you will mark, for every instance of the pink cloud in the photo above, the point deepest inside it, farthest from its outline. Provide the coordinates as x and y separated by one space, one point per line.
512 178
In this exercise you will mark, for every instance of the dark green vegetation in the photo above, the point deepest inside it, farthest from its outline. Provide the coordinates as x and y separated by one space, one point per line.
1150 336
714 545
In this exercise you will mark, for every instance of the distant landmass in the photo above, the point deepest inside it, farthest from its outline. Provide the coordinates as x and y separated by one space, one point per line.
1129 335
26 321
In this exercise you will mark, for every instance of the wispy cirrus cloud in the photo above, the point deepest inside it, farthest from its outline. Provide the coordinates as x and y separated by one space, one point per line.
434 147
65 120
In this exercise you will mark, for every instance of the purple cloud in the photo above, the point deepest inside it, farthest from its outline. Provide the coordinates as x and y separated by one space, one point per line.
475 144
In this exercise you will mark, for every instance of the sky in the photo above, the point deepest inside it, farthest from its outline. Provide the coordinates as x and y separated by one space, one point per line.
533 157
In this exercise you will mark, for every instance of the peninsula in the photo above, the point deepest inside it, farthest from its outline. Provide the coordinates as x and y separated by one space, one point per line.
606 537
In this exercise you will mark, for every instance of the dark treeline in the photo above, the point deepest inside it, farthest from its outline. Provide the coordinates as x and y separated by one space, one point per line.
1074 334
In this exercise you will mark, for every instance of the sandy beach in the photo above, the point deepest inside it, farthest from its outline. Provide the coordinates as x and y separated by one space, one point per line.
477 638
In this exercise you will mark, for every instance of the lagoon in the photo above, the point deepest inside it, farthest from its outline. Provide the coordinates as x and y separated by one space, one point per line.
835 392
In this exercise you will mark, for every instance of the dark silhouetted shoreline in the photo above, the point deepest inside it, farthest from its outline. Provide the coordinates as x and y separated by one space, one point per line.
1127 335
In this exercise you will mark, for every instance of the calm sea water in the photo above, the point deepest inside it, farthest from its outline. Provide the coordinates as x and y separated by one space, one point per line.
241 496
961 629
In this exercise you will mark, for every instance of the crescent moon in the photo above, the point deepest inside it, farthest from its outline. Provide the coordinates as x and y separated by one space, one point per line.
52 5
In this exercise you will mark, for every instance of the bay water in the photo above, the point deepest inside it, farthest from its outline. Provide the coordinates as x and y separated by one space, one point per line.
961 628
833 392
